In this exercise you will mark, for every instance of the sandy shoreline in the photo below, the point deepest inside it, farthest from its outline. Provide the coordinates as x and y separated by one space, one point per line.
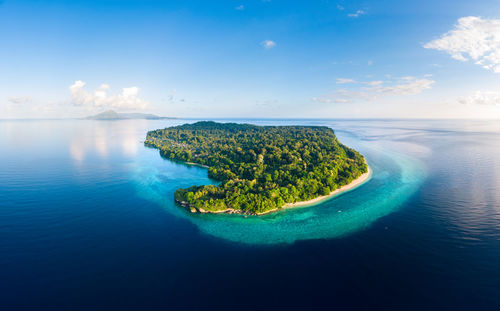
353 184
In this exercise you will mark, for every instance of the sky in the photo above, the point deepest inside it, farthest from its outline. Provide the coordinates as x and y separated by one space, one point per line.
251 59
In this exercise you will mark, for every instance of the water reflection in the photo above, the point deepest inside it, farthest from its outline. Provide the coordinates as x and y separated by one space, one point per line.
130 145
106 139
77 151
101 139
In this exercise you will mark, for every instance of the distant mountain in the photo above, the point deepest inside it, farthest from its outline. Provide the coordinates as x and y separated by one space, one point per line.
113 115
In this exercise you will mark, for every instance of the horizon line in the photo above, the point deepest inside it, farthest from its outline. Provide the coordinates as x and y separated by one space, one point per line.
251 118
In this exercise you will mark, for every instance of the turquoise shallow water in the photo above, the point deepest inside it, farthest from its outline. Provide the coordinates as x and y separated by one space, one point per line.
395 177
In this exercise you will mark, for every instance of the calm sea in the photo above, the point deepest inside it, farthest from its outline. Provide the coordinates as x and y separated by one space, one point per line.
87 222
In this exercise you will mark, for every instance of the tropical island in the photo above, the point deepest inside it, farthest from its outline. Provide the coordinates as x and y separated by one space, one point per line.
260 169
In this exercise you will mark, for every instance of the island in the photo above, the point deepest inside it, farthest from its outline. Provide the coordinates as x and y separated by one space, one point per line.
260 169
113 115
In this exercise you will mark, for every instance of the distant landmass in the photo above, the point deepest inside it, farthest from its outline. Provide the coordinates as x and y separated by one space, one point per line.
113 115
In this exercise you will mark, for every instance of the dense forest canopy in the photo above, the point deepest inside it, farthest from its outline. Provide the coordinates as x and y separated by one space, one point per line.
260 168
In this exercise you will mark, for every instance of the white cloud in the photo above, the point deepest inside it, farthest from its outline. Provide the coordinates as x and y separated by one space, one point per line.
341 8
357 14
344 80
268 44
473 38
481 98
240 7
374 83
376 90
20 99
327 100
127 99
410 87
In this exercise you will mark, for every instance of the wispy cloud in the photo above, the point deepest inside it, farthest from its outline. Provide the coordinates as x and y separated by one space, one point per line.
374 83
240 7
327 100
376 90
20 99
345 80
481 98
410 87
357 14
473 38
127 99
268 44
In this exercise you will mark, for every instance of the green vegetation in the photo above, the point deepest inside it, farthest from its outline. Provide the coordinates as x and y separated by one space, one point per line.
260 168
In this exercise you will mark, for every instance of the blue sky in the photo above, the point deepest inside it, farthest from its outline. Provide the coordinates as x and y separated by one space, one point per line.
318 59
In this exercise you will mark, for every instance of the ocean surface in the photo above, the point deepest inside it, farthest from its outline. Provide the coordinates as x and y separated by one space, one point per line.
88 222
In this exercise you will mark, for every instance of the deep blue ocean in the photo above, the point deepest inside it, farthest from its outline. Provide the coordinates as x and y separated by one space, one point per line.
88 222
